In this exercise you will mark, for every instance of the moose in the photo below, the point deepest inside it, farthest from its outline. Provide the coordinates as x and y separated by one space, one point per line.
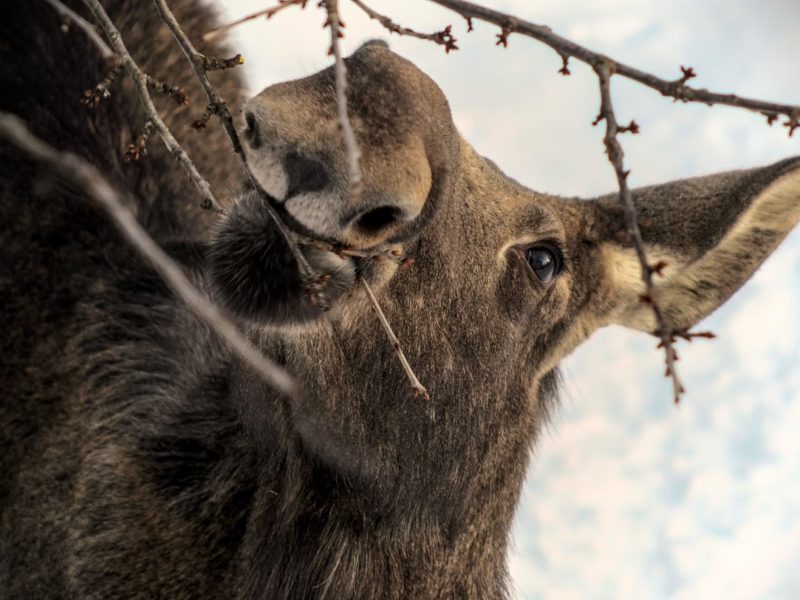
140 457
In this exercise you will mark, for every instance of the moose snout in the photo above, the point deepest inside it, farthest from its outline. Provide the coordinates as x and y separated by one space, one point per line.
369 214
294 146
366 220
311 182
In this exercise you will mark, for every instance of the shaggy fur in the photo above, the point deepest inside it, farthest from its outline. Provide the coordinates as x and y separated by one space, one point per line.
140 459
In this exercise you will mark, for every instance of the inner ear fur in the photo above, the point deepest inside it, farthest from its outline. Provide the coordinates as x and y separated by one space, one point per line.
712 233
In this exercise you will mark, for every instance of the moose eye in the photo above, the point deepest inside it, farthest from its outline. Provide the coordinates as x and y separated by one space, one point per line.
545 262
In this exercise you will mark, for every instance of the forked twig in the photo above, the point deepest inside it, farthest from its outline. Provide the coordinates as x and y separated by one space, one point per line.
81 174
616 156
266 13
140 82
418 388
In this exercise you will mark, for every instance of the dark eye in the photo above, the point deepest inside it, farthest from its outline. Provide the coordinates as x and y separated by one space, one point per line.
545 262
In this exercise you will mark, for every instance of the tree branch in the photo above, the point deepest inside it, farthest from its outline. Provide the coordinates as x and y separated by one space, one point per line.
84 176
266 13
140 82
443 38
565 48
198 61
616 157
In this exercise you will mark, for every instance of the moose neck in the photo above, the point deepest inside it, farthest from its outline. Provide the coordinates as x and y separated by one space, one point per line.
349 460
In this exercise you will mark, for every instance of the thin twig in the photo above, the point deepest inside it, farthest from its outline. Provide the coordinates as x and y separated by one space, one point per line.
354 155
81 174
201 122
140 82
616 156
267 13
676 89
418 388
218 106
67 13
336 25
139 147
93 97
177 94
443 38
388 254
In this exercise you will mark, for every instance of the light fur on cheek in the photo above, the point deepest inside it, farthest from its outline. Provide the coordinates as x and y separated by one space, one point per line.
269 173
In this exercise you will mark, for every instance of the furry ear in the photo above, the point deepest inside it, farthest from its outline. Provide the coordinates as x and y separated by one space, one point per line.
709 234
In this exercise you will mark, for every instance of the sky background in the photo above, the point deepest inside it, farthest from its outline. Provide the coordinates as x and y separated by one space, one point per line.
628 496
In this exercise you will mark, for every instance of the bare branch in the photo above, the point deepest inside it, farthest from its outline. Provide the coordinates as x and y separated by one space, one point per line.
616 156
676 89
140 82
216 105
67 13
336 25
418 388
81 174
443 38
267 14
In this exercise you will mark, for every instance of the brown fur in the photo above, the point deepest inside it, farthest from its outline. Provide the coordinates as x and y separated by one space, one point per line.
140 459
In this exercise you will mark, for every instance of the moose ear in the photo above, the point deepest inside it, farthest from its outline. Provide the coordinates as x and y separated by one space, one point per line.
706 235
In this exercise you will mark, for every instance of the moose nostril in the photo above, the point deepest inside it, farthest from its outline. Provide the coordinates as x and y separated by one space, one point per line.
379 218
304 174
251 133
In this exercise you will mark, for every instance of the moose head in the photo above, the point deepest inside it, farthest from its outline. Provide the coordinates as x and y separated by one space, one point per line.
506 282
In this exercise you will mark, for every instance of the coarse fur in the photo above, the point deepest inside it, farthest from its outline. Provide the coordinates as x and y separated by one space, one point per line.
140 459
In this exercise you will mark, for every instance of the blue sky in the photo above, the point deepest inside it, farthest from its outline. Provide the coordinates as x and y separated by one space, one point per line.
629 497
